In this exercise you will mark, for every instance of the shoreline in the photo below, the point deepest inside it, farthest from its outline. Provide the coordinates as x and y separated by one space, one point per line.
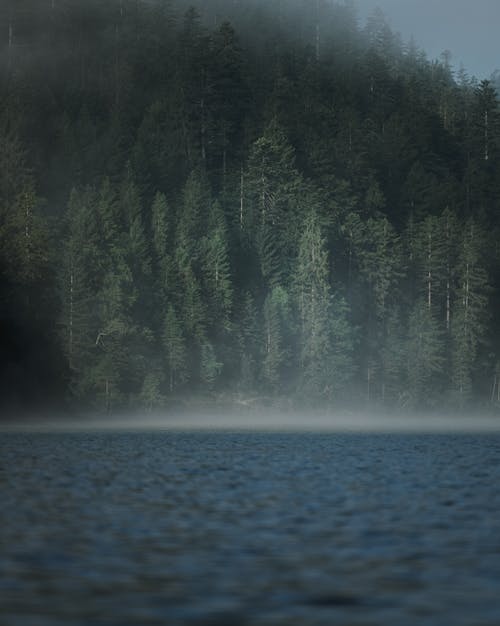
263 421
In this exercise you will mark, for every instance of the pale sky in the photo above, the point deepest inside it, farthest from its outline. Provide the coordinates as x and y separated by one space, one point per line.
470 29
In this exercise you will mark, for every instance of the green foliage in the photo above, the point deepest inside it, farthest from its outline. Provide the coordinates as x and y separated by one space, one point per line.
313 295
235 198
424 355
216 269
210 366
249 344
276 337
175 350
151 396
470 310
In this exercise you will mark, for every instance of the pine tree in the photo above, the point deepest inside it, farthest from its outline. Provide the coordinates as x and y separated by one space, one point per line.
210 367
314 305
249 343
165 277
276 336
80 280
114 376
470 311
175 350
431 261
378 254
193 221
273 219
216 269
229 100
425 355
195 88
151 396
135 247
162 228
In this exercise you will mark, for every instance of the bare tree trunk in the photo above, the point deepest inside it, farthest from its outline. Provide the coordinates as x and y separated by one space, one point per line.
486 154
117 64
429 272
11 42
203 130
448 275
71 315
107 395
27 232
242 181
448 303
224 164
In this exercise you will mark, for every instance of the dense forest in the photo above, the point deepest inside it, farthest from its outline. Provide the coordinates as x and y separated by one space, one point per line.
256 201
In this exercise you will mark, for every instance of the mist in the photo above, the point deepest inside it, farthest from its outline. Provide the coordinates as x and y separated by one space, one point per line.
466 29
223 420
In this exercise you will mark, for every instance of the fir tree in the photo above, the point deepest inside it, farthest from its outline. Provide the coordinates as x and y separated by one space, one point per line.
175 351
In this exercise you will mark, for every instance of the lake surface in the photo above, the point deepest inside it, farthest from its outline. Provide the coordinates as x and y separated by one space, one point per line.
228 528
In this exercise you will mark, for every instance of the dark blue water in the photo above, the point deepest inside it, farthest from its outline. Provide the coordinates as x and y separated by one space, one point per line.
230 529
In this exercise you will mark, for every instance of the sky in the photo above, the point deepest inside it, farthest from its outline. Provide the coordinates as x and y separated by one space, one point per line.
470 29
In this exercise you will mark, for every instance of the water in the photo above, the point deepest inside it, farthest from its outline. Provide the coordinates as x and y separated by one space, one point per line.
247 528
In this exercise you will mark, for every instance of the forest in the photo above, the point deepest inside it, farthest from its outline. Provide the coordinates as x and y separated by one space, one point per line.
256 202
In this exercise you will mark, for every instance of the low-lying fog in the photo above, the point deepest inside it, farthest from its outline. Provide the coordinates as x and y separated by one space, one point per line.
271 420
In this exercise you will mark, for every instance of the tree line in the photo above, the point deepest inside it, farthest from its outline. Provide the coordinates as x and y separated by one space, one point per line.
242 200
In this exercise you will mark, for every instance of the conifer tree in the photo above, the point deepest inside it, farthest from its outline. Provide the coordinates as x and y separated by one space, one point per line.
425 355
276 337
175 350
314 305
210 367
80 280
217 275
470 311
249 344
273 183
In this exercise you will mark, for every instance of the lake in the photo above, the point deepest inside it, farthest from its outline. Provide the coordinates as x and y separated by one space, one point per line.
234 528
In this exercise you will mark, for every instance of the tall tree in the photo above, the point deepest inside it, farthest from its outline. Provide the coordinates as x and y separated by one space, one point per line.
175 350
470 311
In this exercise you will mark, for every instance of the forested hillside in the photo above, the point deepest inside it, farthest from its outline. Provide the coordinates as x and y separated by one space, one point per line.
255 199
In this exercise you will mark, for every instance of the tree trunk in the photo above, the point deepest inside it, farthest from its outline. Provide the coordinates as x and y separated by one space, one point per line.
486 155
71 315
429 272
241 197
10 45
107 396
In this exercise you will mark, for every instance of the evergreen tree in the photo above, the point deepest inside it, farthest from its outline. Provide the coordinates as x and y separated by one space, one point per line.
210 367
470 311
263 197
249 344
175 351
425 355
217 270
273 183
80 280
276 336
314 304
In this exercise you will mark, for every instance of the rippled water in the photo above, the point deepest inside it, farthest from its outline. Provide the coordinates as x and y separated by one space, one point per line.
247 528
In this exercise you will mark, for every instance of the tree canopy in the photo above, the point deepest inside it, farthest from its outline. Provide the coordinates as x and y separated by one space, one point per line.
242 198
